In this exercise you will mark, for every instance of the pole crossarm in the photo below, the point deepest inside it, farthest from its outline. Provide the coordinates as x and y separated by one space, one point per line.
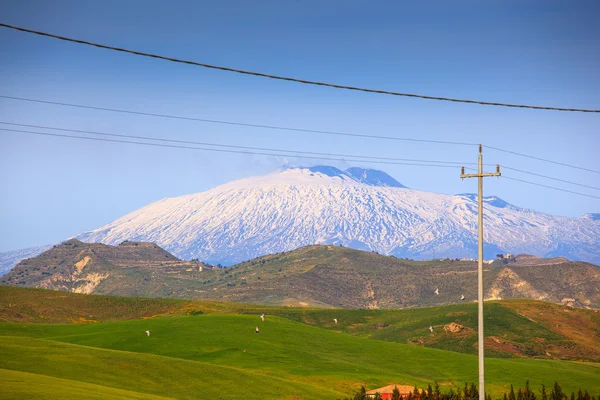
483 175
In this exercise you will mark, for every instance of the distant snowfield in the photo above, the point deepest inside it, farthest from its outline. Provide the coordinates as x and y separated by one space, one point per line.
364 209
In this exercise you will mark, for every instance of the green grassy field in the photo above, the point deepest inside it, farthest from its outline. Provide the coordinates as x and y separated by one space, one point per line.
209 350
18 385
222 351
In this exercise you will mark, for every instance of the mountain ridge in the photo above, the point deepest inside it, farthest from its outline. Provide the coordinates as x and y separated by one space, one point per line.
318 275
360 208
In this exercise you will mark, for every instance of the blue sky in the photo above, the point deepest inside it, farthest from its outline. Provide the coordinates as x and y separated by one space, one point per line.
539 52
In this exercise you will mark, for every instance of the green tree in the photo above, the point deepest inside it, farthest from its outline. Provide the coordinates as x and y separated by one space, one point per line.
377 396
511 394
361 394
436 391
529 394
396 394
557 393
474 392
544 392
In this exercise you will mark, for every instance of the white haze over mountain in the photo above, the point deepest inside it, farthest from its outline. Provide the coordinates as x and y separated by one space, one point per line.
360 208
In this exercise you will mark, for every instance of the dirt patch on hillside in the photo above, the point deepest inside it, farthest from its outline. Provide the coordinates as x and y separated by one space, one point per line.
453 327
80 265
494 343
577 326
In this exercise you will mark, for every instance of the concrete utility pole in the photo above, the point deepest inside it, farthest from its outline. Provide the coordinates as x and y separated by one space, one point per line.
480 175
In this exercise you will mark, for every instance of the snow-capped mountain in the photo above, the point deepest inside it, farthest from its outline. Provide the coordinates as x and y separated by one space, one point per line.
359 208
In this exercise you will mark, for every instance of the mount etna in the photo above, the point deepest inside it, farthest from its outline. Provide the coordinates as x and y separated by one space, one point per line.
363 209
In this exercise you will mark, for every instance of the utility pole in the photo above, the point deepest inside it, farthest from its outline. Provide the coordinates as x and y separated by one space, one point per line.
480 336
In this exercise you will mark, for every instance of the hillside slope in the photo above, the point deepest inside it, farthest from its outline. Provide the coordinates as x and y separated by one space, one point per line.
343 277
196 356
323 276
515 328
94 267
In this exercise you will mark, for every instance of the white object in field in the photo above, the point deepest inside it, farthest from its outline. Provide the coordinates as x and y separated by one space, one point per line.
262 318
462 296
431 329
335 320
437 291
256 330
147 333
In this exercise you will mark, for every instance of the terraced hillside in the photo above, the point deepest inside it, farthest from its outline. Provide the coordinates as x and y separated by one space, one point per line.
342 277
318 276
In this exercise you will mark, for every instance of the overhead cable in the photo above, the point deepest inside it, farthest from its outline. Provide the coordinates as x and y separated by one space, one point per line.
541 159
275 154
222 150
232 146
214 121
550 187
290 79
550 177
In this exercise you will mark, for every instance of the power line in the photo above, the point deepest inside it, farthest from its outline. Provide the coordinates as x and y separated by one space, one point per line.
284 128
277 155
550 187
551 177
355 156
221 150
232 146
297 80
213 121
542 159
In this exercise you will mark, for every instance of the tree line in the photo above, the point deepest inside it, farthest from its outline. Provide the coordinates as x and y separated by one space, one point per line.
470 392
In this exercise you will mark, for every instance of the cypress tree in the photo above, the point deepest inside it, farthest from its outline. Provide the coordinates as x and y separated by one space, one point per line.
361 394
396 394
474 392
557 393
436 391
511 394
529 395
544 393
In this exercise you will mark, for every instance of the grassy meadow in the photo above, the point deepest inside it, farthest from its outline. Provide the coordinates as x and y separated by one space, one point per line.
215 353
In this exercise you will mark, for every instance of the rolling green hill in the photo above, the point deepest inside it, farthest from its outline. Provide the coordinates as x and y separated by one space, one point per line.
514 328
221 351
215 353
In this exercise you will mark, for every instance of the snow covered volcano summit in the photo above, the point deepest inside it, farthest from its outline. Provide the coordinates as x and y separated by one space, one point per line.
359 208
